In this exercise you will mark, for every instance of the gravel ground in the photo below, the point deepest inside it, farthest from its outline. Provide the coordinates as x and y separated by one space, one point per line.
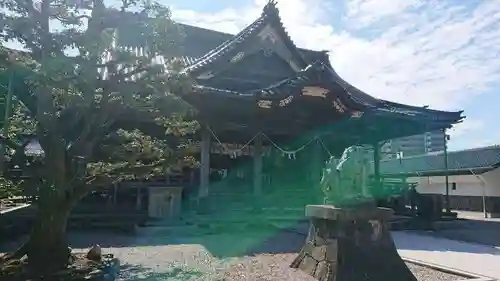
248 257
193 262
243 256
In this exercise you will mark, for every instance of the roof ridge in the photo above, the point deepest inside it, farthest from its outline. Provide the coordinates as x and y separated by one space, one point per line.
272 8
230 34
391 103
480 148
270 14
224 44
440 153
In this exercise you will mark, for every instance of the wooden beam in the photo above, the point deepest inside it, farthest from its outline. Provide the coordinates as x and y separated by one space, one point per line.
377 192
205 162
115 193
138 199
257 165
316 171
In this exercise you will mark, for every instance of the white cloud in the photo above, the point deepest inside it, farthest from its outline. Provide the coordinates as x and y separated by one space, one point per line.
411 51
468 126
368 11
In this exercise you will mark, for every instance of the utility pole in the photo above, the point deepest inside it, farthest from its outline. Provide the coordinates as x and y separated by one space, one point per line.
446 138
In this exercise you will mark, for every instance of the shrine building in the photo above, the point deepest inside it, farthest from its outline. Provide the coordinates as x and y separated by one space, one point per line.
256 90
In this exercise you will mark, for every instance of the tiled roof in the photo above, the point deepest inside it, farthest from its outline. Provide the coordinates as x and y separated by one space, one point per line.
199 41
200 46
321 75
247 37
203 49
477 158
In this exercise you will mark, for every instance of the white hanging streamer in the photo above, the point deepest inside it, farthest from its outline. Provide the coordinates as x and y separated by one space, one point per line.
234 153
291 154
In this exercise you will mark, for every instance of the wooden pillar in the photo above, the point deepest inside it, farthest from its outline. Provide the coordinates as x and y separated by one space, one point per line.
377 187
205 162
257 165
317 166
138 200
115 193
166 171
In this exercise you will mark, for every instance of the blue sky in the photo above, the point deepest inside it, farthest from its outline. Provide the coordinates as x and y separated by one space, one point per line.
442 53
445 54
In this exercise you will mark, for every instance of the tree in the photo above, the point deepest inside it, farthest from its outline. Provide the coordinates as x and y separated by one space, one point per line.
99 112
8 188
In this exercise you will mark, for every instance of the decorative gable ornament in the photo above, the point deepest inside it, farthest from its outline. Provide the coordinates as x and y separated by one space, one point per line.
339 106
267 34
286 101
267 52
264 104
314 92
239 56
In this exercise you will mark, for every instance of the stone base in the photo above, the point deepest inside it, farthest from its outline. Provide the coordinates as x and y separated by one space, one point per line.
350 244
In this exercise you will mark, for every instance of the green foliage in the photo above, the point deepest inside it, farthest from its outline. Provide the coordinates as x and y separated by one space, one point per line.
8 188
110 116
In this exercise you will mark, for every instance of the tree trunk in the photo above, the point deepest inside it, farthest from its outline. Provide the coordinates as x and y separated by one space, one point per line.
47 248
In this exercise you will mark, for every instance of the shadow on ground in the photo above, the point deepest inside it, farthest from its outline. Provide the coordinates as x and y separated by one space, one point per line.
221 244
472 231
140 273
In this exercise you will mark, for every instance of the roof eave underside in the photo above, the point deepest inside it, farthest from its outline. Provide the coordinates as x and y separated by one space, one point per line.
320 75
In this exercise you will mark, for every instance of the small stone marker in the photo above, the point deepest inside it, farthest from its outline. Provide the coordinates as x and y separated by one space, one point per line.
95 253
350 244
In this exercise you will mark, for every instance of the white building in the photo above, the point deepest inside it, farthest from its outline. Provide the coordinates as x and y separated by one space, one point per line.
415 145
473 176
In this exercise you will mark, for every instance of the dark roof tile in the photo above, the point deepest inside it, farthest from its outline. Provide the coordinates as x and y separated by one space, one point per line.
484 157
232 46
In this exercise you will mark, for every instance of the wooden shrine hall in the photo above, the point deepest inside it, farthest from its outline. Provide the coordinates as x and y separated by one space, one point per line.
258 82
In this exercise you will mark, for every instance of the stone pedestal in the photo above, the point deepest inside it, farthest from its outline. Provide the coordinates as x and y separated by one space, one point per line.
164 202
350 244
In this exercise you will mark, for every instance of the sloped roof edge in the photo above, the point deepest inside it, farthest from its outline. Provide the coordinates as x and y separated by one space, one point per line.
467 159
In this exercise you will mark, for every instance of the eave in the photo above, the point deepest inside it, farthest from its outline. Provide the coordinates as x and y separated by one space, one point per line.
332 89
436 115
440 173
287 104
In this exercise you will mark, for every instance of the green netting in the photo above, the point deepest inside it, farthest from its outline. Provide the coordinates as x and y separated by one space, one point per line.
290 180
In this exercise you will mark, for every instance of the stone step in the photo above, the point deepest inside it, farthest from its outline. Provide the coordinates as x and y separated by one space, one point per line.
251 197
276 199
242 217
278 193
217 226
253 206
247 206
